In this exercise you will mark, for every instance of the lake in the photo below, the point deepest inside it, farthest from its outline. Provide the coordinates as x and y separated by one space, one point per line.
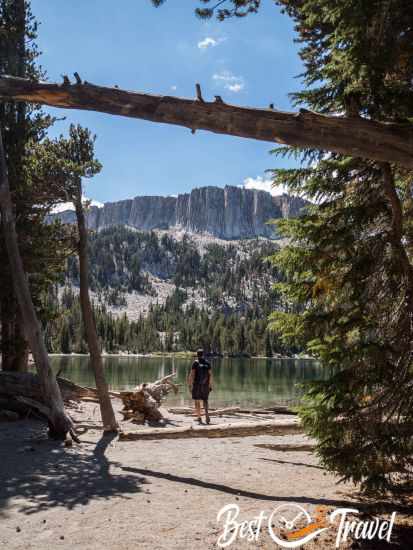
245 382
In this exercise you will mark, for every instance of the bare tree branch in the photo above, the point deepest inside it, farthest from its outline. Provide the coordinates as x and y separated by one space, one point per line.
385 142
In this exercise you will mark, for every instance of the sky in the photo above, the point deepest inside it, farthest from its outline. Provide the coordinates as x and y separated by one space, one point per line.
251 61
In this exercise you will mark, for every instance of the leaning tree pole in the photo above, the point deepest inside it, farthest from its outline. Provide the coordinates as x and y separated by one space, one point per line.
59 423
352 136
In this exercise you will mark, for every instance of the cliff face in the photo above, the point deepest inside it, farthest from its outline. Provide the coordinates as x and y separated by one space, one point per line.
229 213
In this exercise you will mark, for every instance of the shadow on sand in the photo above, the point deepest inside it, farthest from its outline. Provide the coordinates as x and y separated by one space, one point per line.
42 474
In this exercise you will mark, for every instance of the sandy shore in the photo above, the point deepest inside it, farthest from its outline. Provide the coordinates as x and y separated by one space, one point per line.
154 495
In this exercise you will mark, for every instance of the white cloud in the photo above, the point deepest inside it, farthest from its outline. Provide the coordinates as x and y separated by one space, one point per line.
69 205
92 202
173 88
264 184
209 42
235 87
229 81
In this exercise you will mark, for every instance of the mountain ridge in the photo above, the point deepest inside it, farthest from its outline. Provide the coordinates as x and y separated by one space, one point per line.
226 213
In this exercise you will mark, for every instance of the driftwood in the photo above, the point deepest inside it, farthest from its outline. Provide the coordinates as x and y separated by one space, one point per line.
27 384
144 401
12 404
288 447
212 412
234 410
353 136
36 405
279 427
22 393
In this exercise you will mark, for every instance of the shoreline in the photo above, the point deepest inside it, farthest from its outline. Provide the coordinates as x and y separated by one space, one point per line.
186 355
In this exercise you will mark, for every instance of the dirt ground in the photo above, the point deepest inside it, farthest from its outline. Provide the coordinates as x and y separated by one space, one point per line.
111 494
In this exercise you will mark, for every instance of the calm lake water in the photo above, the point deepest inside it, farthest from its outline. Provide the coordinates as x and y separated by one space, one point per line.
242 382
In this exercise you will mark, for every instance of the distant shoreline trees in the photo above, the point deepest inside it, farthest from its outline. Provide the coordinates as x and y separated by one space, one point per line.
198 312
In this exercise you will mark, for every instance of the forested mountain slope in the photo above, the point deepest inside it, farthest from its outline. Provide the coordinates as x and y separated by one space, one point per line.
156 291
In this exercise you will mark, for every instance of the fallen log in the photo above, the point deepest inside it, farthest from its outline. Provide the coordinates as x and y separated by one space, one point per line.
160 388
281 409
279 427
212 412
24 390
27 384
31 403
289 447
144 401
12 404
233 410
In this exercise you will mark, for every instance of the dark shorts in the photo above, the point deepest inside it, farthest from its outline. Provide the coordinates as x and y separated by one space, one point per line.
200 392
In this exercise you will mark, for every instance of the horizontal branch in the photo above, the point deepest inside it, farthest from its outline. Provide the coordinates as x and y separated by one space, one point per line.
349 136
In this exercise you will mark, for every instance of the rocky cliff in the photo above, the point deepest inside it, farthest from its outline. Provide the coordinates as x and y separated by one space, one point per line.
226 213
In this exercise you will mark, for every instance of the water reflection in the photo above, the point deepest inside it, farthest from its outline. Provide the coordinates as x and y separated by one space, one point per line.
242 382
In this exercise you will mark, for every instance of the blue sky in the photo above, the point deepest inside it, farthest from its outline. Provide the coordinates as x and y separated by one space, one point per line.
252 61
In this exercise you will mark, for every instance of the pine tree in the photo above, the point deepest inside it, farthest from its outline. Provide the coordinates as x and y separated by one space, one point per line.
76 160
26 197
348 268
268 346
65 344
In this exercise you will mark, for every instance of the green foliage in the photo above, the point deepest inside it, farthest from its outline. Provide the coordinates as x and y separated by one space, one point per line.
348 268
24 127
220 303
174 326
121 258
223 9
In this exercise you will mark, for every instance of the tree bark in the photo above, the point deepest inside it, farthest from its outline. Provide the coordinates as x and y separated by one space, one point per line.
21 357
397 236
106 409
278 427
28 384
59 423
14 347
7 331
144 401
13 117
352 136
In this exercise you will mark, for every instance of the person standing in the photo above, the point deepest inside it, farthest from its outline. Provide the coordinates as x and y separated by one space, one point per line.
200 384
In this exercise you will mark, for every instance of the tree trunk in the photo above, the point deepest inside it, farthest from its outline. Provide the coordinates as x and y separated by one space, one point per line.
352 136
106 409
27 384
13 117
21 356
144 401
7 330
397 237
59 423
14 347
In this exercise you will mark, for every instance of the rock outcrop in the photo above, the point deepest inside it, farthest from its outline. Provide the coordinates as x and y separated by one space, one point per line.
227 213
